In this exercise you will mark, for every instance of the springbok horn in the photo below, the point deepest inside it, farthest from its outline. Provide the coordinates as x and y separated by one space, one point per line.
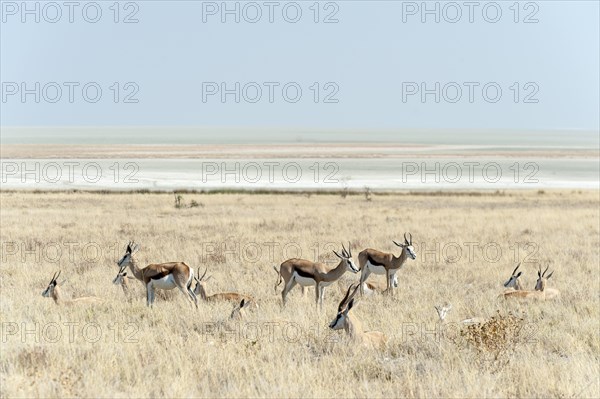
545 270
514 271
405 239
200 279
343 302
55 278
349 250
354 292
410 236
344 251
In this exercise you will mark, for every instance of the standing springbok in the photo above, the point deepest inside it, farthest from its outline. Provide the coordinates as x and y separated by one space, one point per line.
122 279
164 276
540 292
513 281
374 261
53 291
200 289
352 325
306 273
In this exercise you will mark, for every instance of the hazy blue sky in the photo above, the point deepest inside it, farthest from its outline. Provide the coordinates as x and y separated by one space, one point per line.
370 56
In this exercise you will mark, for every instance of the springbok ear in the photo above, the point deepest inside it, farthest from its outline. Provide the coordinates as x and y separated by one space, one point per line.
128 249
242 303
338 255
519 275
550 275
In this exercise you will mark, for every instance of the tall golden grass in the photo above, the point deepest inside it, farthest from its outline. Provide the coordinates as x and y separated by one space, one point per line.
124 349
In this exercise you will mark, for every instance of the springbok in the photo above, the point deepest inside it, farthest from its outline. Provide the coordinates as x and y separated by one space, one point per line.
513 281
306 273
370 288
540 292
374 261
377 287
53 291
164 276
122 279
352 326
443 310
200 289
541 283
239 312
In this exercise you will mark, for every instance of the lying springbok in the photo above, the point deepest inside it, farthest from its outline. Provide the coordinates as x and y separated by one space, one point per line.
239 312
53 291
541 283
377 287
164 276
443 310
200 289
306 273
374 261
370 287
513 281
351 324
540 292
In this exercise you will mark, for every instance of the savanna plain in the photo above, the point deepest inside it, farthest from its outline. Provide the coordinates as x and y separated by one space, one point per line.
467 245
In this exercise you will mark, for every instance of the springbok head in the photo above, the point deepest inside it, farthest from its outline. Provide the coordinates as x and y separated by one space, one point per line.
129 251
442 310
238 312
346 256
407 246
53 283
341 319
513 281
201 282
540 285
121 276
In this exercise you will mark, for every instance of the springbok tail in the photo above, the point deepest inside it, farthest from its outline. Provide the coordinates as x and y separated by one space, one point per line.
279 279
191 279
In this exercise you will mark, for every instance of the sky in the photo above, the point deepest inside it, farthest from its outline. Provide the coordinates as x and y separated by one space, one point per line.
305 64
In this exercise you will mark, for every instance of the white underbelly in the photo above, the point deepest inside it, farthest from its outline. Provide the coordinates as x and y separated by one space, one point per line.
165 283
375 269
326 283
303 281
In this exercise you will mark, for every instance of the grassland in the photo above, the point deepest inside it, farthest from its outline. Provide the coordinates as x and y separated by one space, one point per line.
466 248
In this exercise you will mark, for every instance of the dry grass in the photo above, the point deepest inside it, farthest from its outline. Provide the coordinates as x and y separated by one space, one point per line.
177 351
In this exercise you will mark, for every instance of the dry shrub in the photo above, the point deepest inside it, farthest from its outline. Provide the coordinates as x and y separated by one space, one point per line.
494 340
